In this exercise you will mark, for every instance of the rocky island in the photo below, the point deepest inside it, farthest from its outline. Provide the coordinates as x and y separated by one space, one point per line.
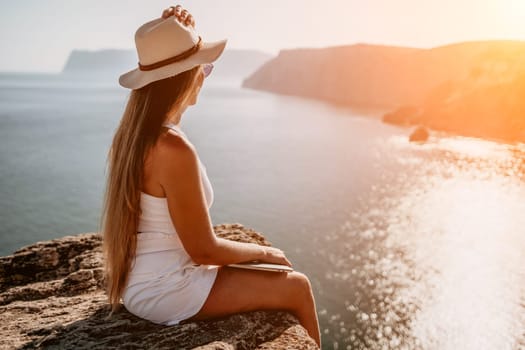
51 296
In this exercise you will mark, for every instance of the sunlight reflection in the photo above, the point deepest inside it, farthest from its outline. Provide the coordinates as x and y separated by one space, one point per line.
466 230
468 147
433 258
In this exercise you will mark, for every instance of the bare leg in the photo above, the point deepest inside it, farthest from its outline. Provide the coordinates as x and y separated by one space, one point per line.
238 290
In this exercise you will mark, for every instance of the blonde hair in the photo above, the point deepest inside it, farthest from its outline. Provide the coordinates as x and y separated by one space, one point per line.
147 109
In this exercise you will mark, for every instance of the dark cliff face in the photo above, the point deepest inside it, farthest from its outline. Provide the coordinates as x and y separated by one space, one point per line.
51 296
461 87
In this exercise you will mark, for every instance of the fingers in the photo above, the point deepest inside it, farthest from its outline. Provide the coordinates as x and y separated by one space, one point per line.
280 257
177 10
180 13
186 18
172 10
189 21
184 13
287 262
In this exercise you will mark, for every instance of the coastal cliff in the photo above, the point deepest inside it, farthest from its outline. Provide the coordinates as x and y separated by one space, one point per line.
51 296
494 110
233 63
470 88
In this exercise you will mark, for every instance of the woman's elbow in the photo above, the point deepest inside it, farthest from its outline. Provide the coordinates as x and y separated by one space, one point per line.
202 258
204 254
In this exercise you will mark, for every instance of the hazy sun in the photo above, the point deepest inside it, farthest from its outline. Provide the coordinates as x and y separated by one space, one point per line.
513 12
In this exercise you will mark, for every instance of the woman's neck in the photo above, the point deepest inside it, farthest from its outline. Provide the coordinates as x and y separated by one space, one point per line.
175 119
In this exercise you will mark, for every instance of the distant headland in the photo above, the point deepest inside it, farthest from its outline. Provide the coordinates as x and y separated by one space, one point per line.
471 88
233 63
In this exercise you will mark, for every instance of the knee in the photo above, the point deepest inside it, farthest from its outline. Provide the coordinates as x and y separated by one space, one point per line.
302 289
302 280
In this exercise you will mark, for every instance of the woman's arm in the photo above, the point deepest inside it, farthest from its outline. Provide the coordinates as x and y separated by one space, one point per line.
181 181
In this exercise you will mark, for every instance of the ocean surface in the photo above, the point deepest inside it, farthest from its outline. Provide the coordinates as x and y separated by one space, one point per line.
408 246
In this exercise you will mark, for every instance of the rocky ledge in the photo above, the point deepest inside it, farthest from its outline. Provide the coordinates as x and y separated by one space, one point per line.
51 296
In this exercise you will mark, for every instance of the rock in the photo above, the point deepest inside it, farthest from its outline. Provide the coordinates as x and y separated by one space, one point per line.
405 115
51 296
420 134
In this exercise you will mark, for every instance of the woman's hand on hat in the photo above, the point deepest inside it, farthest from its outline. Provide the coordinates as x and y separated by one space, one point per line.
181 14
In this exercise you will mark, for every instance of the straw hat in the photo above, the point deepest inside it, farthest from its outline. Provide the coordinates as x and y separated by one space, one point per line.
167 47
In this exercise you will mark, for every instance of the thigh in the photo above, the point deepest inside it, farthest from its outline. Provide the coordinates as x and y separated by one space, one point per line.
239 290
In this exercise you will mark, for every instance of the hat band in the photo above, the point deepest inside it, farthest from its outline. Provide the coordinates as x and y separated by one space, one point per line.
179 57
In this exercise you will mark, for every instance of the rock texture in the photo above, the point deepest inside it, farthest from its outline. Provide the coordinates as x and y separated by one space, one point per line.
51 296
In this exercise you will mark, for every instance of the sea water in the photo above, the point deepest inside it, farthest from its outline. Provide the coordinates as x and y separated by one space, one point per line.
407 245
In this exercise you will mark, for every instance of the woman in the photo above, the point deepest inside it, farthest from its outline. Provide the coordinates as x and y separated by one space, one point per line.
161 254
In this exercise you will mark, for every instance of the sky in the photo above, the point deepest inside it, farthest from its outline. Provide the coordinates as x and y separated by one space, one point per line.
37 36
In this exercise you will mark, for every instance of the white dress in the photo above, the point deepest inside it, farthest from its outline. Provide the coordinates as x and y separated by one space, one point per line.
165 286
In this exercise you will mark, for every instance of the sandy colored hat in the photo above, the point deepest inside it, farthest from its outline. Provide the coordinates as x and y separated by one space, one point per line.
167 47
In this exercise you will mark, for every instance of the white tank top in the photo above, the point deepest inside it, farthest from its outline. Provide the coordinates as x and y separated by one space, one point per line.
156 231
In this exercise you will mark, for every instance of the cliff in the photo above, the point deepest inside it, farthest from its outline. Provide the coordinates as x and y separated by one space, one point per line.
232 64
356 75
51 297
469 88
99 61
494 110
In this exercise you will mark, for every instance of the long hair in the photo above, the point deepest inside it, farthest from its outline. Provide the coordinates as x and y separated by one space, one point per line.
146 110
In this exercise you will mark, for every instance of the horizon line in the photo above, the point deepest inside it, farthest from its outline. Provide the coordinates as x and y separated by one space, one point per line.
278 51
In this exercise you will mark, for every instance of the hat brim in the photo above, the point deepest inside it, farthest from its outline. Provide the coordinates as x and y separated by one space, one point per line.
208 52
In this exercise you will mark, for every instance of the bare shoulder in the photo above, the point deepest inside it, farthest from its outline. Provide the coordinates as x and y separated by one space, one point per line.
171 142
180 179
176 156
